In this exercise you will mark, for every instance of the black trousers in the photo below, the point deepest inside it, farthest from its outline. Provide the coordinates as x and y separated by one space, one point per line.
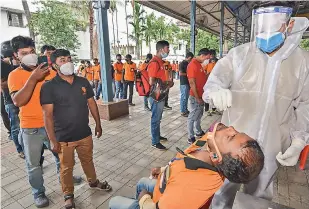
125 90
166 99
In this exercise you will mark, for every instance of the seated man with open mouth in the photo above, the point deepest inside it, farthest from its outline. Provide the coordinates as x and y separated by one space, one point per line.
191 178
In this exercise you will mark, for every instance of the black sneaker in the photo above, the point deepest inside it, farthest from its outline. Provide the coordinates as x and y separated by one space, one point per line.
167 107
163 139
191 141
131 104
184 114
159 146
200 134
147 108
41 201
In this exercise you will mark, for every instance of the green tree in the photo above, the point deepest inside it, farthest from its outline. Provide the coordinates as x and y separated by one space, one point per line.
137 20
206 40
305 44
112 10
56 24
149 29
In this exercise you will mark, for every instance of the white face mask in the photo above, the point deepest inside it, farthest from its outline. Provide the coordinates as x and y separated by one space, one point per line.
67 68
205 62
30 60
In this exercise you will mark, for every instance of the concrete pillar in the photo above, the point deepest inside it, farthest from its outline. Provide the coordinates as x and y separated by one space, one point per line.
221 29
236 32
104 47
192 25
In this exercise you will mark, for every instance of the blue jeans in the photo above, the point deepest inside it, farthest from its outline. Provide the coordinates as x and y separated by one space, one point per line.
177 75
119 202
32 140
156 116
99 89
184 95
119 90
195 116
13 111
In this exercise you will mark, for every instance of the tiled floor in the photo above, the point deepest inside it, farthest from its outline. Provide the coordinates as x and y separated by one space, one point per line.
122 156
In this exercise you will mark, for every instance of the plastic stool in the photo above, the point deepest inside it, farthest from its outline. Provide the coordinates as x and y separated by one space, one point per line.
303 157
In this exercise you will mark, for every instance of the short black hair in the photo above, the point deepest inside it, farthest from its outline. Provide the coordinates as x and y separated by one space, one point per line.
20 42
244 168
59 53
43 48
95 59
118 55
6 49
128 56
161 45
50 48
212 52
203 51
88 62
82 61
189 54
149 56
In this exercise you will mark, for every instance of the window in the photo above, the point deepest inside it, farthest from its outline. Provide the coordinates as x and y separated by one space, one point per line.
179 46
15 19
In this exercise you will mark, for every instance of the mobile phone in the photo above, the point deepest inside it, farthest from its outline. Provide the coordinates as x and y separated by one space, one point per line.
43 59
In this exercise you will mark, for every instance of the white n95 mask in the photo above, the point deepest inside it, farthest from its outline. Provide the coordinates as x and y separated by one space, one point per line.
67 68
30 60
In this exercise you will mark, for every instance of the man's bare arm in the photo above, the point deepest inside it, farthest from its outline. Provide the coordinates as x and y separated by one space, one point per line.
22 97
94 110
95 114
48 114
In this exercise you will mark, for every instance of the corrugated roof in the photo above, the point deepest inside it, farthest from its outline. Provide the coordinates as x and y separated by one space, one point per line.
208 14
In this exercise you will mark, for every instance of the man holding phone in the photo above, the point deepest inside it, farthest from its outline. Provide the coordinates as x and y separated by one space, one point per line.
25 84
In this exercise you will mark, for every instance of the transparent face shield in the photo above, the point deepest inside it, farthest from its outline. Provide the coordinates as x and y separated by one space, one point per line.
269 26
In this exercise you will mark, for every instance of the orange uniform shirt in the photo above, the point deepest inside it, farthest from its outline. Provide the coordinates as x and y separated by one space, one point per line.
174 67
196 71
177 67
208 68
168 70
143 66
129 71
187 188
156 69
96 72
118 67
89 73
31 114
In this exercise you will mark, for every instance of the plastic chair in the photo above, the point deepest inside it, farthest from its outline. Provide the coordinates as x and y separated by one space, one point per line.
303 157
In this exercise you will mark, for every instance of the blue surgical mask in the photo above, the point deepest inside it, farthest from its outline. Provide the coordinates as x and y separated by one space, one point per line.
164 55
269 42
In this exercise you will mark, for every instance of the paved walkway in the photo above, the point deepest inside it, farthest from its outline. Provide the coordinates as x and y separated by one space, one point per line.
122 156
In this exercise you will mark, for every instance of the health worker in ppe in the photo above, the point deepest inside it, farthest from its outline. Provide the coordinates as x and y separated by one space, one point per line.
263 88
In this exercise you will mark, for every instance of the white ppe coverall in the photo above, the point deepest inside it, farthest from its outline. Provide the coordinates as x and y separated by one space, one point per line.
270 103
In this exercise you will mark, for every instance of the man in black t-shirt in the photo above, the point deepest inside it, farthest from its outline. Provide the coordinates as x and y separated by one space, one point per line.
66 101
184 84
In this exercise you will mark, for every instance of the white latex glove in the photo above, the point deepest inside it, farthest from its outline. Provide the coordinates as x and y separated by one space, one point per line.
291 155
221 99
